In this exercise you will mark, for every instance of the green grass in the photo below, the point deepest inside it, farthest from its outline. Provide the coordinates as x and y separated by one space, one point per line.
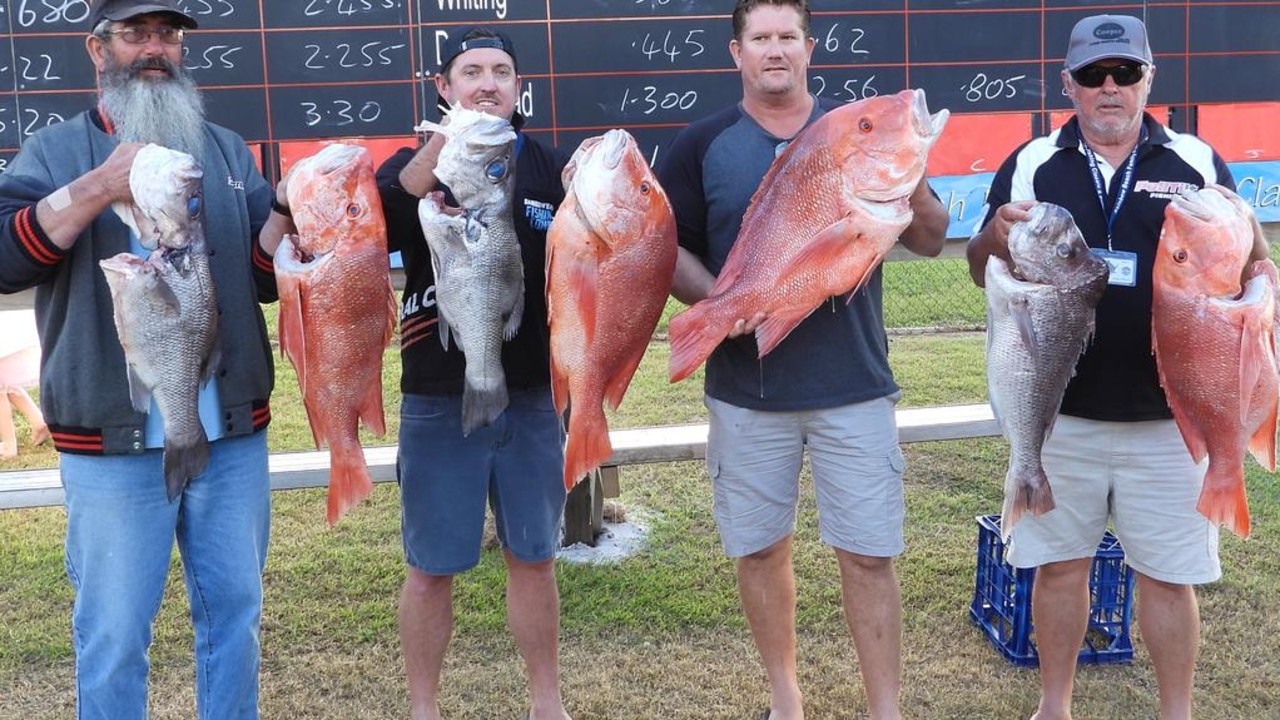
660 634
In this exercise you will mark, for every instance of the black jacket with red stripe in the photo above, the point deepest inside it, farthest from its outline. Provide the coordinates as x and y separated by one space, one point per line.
84 388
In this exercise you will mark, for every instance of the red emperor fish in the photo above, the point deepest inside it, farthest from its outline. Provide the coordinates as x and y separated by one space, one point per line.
827 212
611 252
337 308
1214 343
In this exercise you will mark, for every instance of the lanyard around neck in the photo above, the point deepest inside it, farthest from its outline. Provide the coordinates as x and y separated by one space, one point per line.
1100 187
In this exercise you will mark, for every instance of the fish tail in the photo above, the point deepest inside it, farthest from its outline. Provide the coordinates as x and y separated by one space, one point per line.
588 445
1022 494
183 461
481 406
1223 500
692 339
349 481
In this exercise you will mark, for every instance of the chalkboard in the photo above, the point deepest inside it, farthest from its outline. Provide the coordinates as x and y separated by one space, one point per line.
286 73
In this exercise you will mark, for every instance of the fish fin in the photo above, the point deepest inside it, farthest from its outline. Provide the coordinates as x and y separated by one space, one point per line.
1253 357
1262 445
349 481
183 462
372 416
481 407
292 328
1020 311
692 339
777 327
583 286
139 393
617 386
1223 500
512 325
559 385
588 444
1023 495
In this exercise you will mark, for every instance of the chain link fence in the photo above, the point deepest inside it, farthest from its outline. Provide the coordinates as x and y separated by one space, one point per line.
933 294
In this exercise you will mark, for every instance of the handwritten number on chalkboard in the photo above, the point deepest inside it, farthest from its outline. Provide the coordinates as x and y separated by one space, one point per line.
31 127
982 87
341 109
71 11
218 56
207 7
670 47
852 90
832 43
316 60
346 7
649 95
46 75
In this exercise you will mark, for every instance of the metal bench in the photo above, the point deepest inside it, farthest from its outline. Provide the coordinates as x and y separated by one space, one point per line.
584 508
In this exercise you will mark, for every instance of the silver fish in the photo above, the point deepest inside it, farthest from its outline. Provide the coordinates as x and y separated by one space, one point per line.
164 306
1040 318
475 254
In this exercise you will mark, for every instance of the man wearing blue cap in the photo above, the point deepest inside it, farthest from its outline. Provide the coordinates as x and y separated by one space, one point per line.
1115 452
516 463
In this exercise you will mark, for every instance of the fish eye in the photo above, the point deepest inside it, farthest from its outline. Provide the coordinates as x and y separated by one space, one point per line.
496 170
1064 250
1180 255
193 207
353 210
644 188
865 125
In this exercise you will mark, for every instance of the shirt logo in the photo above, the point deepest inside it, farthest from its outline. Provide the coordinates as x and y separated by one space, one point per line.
538 214
1164 189
235 184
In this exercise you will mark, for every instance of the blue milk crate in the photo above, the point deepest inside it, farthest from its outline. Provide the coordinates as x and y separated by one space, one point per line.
1002 601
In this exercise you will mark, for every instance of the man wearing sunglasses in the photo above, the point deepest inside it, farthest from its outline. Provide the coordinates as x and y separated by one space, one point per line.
1115 452
55 224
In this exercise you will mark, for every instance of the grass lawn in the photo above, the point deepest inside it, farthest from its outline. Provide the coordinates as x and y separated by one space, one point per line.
660 634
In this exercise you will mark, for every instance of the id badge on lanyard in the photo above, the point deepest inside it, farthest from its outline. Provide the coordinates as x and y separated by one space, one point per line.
1122 264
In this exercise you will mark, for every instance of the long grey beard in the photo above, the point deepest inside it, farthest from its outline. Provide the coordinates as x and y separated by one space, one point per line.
165 112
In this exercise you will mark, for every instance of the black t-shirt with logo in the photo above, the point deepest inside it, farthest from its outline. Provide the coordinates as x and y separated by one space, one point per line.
429 369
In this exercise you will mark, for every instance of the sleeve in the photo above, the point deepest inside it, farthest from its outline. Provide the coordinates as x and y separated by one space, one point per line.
399 207
1001 188
680 174
1225 178
27 256
257 195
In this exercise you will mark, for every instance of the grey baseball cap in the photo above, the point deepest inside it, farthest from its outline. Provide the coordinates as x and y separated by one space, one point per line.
1101 37
119 10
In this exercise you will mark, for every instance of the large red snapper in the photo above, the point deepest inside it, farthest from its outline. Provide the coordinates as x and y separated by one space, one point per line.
829 209
337 309
611 252
1215 345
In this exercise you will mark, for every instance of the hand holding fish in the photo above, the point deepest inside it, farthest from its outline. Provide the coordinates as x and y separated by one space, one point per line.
746 327
994 238
113 175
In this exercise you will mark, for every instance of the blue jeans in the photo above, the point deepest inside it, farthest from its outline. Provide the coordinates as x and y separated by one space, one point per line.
120 533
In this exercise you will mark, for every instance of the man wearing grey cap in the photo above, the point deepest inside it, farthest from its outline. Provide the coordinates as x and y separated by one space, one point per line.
1115 452
56 223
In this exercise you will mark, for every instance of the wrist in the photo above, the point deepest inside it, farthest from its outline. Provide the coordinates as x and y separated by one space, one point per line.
279 208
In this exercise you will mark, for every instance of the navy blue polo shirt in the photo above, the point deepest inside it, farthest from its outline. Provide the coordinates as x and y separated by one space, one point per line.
1116 378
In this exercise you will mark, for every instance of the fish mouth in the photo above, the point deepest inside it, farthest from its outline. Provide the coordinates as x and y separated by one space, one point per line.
433 204
335 157
927 126
888 210
614 145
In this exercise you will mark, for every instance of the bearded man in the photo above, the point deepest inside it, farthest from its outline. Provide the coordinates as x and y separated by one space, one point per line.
55 225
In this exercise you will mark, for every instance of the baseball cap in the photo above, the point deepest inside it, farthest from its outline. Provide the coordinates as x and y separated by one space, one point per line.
118 10
472 38
1100 37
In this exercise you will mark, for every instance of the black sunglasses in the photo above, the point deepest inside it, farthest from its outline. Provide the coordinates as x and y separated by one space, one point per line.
1093 76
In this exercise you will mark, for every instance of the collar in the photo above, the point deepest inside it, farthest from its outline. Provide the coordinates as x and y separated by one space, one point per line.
101 120
1069 134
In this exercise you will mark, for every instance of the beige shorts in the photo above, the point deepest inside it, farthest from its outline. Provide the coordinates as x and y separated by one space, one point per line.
1138 474
754 458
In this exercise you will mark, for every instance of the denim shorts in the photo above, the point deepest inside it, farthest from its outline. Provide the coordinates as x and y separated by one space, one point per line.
515 464
754 459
